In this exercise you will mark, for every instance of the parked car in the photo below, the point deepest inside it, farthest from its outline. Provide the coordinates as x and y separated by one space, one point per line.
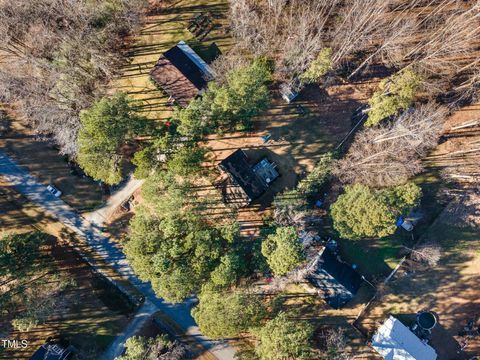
54 191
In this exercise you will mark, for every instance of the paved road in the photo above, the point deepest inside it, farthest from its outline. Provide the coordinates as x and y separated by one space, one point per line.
112 254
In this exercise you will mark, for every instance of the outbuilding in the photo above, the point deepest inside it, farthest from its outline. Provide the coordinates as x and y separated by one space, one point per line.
335 281
394 341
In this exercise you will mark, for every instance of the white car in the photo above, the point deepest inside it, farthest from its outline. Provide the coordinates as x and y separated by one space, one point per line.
54 191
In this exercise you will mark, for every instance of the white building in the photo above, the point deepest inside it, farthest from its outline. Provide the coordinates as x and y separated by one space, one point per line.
395 341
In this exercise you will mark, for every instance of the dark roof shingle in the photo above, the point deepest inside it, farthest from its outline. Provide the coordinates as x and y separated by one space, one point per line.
242 173
178 76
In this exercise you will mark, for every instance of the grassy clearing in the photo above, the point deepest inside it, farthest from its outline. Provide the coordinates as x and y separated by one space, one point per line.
450 290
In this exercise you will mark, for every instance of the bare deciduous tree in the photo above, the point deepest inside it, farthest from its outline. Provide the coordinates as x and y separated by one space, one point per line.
360 23
390 154
55 54
222 65
336 343
291 32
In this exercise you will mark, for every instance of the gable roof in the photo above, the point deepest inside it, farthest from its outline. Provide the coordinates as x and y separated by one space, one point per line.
242 173
180 73
395 341
337 280
52 351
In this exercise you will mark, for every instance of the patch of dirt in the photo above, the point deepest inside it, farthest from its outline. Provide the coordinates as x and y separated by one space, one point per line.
458 154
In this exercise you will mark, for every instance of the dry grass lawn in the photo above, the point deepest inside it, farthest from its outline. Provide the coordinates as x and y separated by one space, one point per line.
450 290
165 26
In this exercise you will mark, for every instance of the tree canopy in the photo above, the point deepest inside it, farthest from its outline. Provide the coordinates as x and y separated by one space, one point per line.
224 107
186 161
171 244
365 212
160 347
318 176
106 125
18 252
283 338
283 250
170 151
318 67
393 94
221 315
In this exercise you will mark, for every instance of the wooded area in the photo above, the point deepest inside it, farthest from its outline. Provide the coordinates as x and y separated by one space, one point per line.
417 63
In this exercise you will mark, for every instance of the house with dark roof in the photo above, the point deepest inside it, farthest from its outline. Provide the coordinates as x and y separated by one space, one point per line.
248 181
334 280
181 73
53 350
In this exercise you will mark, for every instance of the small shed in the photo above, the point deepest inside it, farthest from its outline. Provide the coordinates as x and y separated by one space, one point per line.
394 341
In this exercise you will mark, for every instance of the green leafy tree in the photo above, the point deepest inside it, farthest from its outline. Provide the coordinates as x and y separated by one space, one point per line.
283 250
282 338
196 119
145 161
319 67
106 126
402 197
141 348
318 177
365 212
221 315
228 271
135 348
19 252
393 94
244 96
170 243
186 161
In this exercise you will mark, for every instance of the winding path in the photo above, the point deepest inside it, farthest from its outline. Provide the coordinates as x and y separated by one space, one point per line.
179 314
